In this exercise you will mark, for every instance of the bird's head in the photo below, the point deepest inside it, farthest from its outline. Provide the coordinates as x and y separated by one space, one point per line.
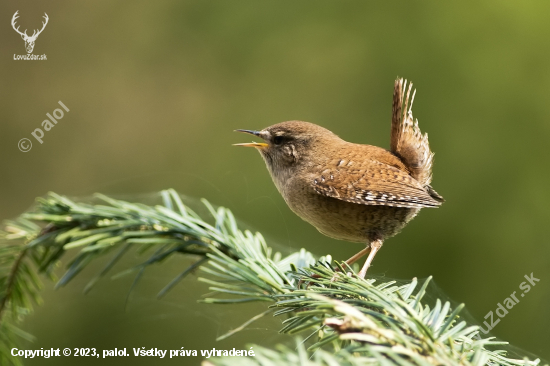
289 144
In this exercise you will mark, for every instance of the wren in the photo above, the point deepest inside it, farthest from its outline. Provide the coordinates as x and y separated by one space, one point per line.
353 192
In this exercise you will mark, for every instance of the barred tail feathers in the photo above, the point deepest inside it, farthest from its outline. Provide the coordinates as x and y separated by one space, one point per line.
407 141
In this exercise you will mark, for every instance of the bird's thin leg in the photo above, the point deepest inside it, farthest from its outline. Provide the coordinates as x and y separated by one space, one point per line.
352 260
375 246
358 256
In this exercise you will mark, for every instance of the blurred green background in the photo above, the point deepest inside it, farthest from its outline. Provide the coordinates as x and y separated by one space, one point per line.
155 90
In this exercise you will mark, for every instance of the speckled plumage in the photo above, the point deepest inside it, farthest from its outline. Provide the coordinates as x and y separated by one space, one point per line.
348 191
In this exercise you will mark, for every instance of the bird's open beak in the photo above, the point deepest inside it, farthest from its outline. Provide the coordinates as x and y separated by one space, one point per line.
258 145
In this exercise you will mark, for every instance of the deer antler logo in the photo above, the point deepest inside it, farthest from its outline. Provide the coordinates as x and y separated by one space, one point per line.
29 41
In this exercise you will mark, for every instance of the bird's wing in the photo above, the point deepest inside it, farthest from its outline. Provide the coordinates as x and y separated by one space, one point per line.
379 185
407 142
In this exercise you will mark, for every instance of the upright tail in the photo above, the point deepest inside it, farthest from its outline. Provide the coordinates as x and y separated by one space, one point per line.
407 141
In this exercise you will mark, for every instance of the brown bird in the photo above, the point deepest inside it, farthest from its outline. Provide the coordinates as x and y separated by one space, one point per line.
353 192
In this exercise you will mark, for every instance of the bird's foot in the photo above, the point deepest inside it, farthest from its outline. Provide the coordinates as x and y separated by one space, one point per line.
335 277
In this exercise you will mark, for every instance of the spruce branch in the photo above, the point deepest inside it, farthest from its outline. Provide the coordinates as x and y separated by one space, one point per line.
10 281
347 320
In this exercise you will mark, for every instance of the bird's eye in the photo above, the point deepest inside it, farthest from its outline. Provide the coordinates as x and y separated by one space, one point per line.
277 140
